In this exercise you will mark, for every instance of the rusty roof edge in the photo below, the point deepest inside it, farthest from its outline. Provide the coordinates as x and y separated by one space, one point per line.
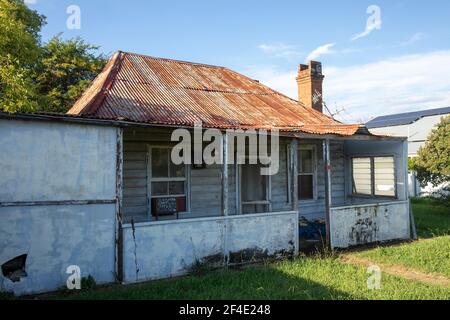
96 100
85 119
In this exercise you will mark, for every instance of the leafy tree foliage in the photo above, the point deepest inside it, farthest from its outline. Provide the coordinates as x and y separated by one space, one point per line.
36 77
65 71
433 161
19 52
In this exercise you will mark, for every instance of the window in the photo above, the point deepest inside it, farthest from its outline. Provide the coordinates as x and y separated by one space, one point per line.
306 172
373 176
384 176
362 176
167 184
254 189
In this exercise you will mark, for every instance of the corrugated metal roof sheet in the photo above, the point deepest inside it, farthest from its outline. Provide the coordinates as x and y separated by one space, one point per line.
404 118
145 89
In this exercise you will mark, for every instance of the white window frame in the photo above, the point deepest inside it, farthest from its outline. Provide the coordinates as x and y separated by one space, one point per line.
372 177
241 203
313 149
150 179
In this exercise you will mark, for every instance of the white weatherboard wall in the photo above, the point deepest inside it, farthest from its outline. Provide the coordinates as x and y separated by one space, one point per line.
45 167
357 225
169 248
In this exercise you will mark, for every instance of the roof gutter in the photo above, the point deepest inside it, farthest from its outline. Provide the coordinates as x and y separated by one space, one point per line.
361 134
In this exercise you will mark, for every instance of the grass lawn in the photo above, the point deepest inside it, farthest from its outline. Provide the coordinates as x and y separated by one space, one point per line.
320 277
303 278
432 219
431 255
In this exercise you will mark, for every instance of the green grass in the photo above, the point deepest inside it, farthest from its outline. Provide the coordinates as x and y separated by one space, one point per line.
303 278
431 255
432 218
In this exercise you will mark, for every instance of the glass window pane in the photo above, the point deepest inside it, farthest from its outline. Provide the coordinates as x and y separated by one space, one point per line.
361 171
176 188
305 187
384 176
177 171
160 161
253 184
159 188
305 161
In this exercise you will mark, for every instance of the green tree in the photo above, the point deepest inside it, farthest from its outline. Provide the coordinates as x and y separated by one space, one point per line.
36 77
65 71
17 90
19 52
433 161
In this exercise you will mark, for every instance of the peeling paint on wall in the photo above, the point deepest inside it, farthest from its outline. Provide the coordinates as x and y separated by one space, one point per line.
170 248
364 231
55 237
357 225
58 181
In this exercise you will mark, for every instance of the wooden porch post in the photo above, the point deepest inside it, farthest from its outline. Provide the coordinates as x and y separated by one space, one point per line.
294 177
119 213
225 175
226 253
327 168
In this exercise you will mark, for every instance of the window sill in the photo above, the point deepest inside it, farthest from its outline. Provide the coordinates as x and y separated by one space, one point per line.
372 197
309 201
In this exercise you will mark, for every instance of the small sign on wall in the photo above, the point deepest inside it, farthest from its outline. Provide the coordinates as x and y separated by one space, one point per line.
168 206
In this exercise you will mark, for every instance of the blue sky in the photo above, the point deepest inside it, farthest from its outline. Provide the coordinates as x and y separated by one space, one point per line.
402 65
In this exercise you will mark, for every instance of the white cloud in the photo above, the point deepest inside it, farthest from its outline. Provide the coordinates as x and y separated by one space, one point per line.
363 34
30 1
316 53
399 84
413 39
279 50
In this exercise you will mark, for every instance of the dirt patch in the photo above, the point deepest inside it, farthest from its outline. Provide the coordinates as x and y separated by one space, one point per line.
399 271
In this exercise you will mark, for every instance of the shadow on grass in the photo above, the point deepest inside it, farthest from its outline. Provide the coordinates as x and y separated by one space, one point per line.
256 282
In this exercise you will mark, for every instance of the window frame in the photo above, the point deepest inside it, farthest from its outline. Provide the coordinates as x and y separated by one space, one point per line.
313 149
372 177
186 179
241 203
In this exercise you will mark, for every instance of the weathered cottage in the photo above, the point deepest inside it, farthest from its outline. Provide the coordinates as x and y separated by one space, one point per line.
98 189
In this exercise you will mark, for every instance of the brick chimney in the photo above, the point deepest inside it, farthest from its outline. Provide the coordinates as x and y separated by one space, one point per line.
309 81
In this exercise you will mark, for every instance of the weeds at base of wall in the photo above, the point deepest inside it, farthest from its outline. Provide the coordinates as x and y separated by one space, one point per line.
88 283
200 267
246 257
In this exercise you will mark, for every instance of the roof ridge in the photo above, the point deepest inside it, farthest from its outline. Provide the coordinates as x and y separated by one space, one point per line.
173 60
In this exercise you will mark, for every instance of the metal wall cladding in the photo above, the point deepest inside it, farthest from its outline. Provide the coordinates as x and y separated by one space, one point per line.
145 89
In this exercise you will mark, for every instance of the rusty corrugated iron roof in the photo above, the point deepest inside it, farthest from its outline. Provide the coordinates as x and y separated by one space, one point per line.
153 90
